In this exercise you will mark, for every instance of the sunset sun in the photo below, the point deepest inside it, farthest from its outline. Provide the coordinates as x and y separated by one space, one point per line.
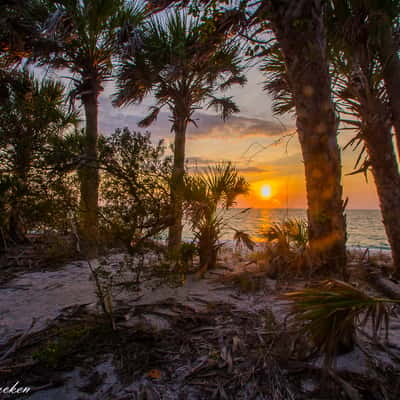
266 191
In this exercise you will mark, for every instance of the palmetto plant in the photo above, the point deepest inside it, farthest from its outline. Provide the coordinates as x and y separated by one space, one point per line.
208 195
84 37
330 313
287 246
290 234
184 69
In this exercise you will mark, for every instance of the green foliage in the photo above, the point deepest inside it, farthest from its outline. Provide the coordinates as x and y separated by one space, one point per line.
208 195
32 116
330 313
84 36
20 33
135 188
286 249
289 234
277 82
175 63
359 88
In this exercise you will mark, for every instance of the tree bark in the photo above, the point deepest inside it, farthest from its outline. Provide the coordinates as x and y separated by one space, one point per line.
379 144
89 179
391 74
177 183
299 28
376 129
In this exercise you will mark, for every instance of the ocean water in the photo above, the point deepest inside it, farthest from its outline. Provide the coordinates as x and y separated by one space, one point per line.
364 227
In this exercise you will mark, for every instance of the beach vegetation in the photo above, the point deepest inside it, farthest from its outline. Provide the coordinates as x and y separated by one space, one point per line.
263 325
184 69
135 204
330 313
285 251
31 118
84 38
208 195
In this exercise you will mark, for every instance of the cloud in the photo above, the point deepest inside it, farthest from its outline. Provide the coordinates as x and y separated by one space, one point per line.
208 126
253 169
200 161
295 159
212 126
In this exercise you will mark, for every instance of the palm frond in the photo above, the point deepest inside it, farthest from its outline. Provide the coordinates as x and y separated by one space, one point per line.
149 119
205 193
330 313
176 61
244 238
277 82
224 106
288 233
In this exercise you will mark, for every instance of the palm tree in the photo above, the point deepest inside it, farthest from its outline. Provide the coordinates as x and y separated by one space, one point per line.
33 113
182 68
85 38
305 85
383 27
361 89
208 196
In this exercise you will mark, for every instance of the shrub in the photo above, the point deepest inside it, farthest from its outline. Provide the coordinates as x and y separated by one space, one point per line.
135 201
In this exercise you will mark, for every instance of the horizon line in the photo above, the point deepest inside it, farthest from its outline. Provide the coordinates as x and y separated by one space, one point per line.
299 208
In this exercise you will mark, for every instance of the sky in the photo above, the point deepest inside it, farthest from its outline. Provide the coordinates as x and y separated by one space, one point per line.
264 148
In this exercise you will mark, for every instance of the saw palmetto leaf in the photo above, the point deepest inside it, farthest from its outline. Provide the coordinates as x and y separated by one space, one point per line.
330 313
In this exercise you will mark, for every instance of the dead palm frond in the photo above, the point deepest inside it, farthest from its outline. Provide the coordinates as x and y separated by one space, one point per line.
330 313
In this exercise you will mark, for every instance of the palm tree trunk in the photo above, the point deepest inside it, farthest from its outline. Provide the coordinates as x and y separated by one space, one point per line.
379 143
89 178
391 74
177 183
299 28
378 139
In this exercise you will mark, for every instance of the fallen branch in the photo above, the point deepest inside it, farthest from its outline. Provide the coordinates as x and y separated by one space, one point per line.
18 342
